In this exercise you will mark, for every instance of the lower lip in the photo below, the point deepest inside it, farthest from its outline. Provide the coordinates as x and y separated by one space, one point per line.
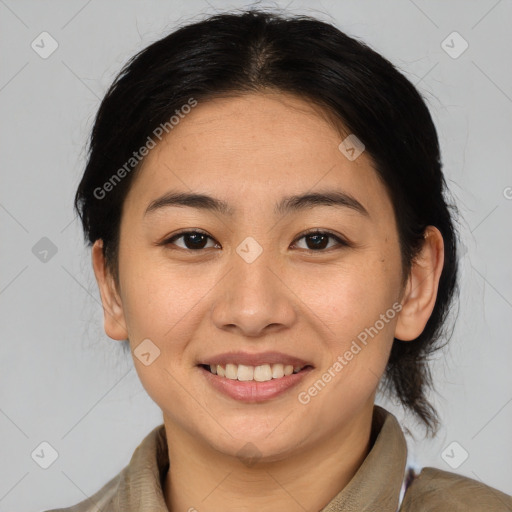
253 391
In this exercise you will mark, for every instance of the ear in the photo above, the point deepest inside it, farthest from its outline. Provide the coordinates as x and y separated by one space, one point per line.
114 321
421 288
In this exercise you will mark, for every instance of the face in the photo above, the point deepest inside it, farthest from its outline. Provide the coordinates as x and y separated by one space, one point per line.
250 284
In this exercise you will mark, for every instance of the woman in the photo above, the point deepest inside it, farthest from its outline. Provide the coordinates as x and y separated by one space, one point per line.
271 239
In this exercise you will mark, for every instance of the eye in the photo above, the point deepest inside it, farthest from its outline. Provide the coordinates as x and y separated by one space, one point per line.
319 238
197 240
193 240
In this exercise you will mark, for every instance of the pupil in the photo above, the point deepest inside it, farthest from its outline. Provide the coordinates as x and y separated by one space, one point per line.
321 245
195 236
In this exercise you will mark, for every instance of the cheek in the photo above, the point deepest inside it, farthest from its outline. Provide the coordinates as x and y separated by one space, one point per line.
164 303
351 294
357 305
144 287
163 307
157 304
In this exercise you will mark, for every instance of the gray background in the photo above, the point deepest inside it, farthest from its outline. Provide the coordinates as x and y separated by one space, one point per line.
63 381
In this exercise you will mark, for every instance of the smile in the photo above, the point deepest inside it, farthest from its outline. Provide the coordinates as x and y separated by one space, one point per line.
253 384
260 373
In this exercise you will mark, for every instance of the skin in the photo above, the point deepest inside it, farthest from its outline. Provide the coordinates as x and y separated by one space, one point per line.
251 151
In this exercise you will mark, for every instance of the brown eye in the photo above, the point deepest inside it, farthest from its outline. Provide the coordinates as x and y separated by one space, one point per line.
192 240
316 241
319 240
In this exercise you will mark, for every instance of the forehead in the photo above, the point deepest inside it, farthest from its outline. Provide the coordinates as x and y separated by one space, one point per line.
254 147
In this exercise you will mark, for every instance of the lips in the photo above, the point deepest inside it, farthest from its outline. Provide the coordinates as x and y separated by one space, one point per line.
255 388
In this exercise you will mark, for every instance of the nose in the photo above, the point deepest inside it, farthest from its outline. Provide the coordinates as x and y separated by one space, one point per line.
253 298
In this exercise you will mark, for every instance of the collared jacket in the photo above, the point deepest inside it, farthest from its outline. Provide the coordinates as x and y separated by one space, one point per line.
382 483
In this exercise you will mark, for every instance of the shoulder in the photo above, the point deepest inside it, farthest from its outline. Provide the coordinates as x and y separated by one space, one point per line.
435 490
102 500
138 483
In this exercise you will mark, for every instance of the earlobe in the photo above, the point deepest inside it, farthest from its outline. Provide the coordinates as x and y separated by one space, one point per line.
421 288
113 314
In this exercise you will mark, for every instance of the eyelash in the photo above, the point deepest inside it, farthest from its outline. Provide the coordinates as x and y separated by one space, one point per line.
330 234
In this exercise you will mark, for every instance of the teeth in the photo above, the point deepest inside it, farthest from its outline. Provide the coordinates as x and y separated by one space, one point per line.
277 371
231 371
245 372
262 373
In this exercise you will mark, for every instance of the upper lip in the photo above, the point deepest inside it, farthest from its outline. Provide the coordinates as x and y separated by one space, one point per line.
261 358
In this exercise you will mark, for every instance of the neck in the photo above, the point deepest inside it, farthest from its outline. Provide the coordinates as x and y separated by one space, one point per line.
306 480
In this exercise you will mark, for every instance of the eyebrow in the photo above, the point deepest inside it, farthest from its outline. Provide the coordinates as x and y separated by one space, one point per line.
285 206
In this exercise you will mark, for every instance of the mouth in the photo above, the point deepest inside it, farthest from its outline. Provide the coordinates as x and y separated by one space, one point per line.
254 384
261 373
